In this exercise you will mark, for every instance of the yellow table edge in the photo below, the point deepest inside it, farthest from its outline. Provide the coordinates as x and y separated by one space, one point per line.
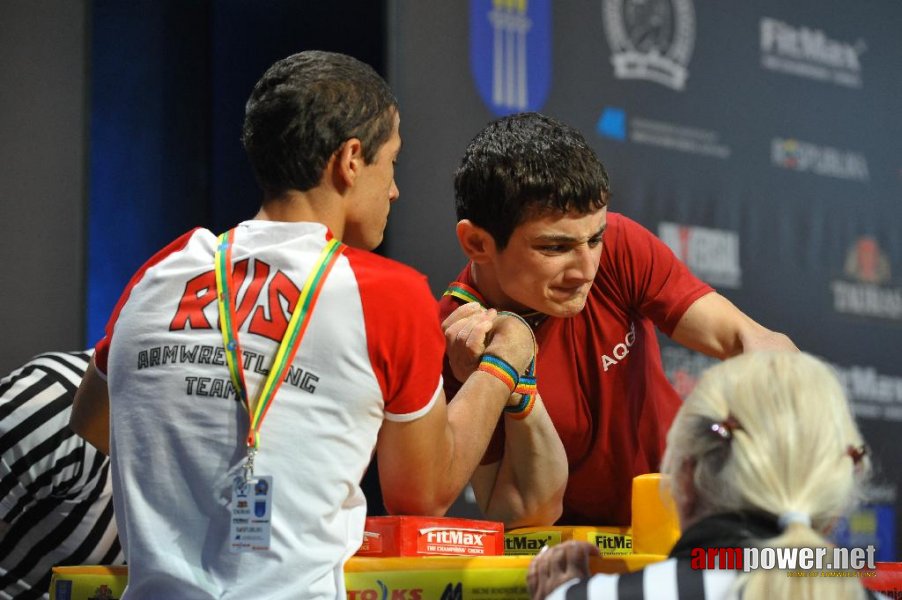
612 564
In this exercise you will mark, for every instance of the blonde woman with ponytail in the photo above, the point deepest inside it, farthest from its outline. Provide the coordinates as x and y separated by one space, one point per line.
764 453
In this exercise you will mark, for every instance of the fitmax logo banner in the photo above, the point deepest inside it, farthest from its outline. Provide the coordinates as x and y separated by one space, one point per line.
810 53
510 53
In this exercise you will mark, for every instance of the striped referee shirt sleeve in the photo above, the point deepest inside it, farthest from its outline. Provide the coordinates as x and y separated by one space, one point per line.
55 490
671 579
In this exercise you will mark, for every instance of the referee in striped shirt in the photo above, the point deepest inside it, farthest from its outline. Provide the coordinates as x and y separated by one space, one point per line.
55 493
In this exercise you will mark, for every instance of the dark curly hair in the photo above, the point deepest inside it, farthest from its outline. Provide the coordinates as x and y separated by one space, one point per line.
304 108
525 165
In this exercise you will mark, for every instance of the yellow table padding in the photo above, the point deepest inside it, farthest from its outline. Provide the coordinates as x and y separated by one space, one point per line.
410 578
454 577
88 582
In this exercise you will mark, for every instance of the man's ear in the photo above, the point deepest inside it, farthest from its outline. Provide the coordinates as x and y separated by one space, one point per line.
477 243
347 163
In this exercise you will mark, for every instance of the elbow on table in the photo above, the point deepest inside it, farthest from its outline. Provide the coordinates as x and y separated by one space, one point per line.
417 504
540 515
528 512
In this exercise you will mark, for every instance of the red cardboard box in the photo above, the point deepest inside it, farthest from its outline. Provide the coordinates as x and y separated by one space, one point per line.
431 536
887 579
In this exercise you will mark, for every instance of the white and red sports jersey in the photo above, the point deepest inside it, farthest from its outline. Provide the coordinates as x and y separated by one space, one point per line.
372 351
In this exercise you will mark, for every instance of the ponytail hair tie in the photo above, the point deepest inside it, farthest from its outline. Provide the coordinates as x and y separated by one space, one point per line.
791 516
725 428
857 453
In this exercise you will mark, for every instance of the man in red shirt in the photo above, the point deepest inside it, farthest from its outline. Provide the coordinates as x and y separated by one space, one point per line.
532 202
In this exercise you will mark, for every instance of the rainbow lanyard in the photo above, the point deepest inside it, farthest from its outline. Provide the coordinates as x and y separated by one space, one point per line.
465 293
227 294
527 382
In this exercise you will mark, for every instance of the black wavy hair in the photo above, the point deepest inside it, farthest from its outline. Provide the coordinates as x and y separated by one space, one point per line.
304 108
526 165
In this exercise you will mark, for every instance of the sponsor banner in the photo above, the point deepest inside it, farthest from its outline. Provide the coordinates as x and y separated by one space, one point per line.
651 40
801 562
458 578
874 523
810 53
510 53
612 544
418 583
360 587
610 541
422 536
872 395
867 290
805 157
711 254
528 543
616 125
683 367
445 540
867 300
372 544
88 582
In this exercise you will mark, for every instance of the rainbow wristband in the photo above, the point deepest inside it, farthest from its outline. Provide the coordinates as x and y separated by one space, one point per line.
522 410
527 382
501 369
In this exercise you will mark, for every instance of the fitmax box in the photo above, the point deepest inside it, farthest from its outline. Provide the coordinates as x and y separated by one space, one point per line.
431 536
610 541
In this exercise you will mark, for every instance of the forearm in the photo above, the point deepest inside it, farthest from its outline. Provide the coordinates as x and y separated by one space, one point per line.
475 432
714 326
473 415
529 483
429 461
425 464
90 416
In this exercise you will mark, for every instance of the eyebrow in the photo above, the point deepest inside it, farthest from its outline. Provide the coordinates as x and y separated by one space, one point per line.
561 238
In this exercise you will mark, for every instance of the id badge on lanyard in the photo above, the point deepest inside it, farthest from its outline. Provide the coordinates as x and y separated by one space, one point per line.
251 505
250 529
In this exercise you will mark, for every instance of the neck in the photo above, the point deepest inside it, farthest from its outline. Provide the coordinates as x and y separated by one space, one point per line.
313 206
485 280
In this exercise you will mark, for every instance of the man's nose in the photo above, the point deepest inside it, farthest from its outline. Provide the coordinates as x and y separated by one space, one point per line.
585 262
393 192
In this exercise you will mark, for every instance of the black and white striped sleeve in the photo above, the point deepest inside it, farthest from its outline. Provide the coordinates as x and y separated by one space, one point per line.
55 490
667 580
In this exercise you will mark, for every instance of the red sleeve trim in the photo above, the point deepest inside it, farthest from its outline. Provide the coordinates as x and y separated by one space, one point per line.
404 340
102 350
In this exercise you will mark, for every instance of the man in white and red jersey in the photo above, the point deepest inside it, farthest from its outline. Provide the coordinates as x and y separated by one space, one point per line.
532 201
244 382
